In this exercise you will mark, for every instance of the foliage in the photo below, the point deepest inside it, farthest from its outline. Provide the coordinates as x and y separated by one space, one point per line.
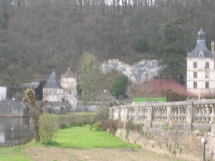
101 115
156 87
48 126
112 125
75 119
166 127
131 126
58 39
173 50
118 88
96 126
92 81
35 111
142 46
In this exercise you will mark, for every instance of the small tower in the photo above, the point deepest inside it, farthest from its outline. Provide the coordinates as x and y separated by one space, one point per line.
201 36
52 91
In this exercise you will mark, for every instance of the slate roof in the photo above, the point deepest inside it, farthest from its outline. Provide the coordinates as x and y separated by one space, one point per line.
52 82
200 47
68 74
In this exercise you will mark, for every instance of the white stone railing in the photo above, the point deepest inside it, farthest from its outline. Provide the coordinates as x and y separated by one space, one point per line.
198 111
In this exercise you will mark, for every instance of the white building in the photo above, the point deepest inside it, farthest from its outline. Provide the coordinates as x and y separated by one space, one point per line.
201 68
53 91
69 82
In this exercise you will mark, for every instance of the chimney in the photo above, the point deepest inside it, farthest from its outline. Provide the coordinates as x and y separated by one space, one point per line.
212 48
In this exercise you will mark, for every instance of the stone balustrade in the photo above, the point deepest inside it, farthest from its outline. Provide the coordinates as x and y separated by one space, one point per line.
183 113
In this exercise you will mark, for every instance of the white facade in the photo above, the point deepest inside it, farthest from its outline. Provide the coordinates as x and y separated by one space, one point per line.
53 91
200 75
53 94
201 68
69 84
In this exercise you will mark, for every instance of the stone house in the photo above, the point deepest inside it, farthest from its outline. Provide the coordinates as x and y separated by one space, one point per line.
53 91
201 67
64 91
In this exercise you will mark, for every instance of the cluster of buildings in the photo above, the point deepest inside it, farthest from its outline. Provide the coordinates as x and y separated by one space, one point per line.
63 91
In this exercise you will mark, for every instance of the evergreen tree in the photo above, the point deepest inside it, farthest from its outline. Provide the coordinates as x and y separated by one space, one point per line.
118 88
173 50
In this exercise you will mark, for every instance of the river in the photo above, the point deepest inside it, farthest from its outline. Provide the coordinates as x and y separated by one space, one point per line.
13 130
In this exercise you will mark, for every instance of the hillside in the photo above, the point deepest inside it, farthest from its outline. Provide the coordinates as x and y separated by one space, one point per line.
40 36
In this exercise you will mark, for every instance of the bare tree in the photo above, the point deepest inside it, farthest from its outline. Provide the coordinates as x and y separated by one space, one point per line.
35 111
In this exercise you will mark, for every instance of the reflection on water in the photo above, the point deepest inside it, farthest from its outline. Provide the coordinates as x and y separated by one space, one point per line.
14 129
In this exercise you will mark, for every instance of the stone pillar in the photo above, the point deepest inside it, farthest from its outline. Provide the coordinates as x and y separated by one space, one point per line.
169 120
150 116
136 113
189 115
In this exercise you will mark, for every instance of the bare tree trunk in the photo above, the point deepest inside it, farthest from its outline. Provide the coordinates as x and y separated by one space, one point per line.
35 111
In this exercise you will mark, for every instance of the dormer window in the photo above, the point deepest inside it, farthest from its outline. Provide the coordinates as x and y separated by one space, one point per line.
201 54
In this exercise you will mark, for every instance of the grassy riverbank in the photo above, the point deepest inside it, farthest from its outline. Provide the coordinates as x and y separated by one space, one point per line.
79 143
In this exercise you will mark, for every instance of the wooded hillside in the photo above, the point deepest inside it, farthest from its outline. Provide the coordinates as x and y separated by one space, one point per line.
42 35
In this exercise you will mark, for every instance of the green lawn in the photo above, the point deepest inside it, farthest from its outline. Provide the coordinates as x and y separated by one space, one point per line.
76 137
83 137
13 154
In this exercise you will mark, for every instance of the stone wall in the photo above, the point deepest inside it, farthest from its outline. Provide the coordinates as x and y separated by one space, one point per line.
182 144
174 128
11 108
89 107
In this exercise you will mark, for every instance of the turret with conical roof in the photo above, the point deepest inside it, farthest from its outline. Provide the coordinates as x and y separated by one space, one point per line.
52 82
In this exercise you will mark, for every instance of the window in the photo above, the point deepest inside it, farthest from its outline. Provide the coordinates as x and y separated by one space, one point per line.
194 74
195 65
207 65
206 75
194 84
206 84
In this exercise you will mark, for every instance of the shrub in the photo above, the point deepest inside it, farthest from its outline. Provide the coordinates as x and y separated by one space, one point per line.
101 115
156 87
166 127
96 126
118 88
48 126
111 125
75 119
